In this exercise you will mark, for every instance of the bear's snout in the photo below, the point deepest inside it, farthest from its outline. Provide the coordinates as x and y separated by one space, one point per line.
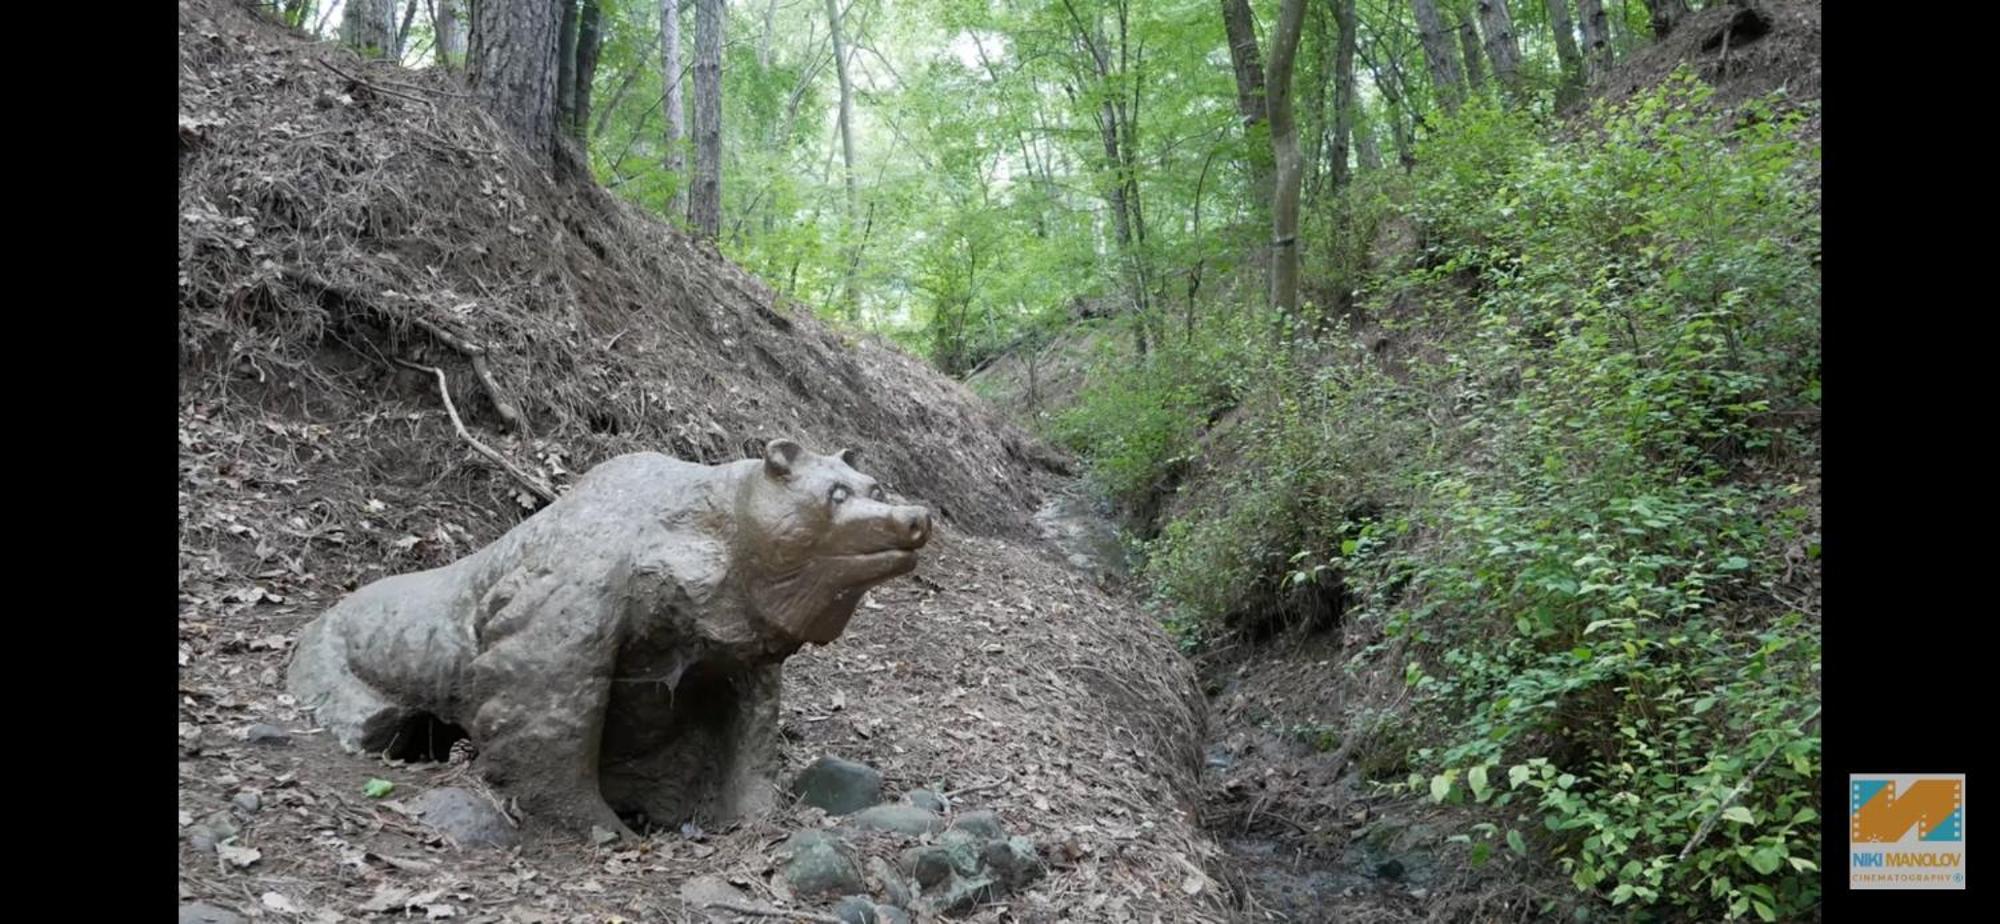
913 525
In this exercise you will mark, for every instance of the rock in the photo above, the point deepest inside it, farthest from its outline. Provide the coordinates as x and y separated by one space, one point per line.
855 909
982 823
926 800
893 885
1013 861
600 836
214 829
821 863
464 816
902 819
838 786
204 913
890 914
201 838
1391 870
964 850
928 865
963 893
263 733
247 800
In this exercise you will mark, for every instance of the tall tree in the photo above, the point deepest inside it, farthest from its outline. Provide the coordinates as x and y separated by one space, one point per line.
1285 152
368 26
1501 46
1367 153
450 20
670 71
705 202
1343 87
512 67
1241 27
1666 14
1567 54
1472 55
589 42
849 303
566 66
1596 36
1437 52
401 42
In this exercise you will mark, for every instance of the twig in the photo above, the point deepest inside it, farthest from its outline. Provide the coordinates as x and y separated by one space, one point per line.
1741 788
534 486
756 912
981 787
377 88
509 411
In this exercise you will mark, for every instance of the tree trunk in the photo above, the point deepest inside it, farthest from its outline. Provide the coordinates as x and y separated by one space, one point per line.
1567 53
566 67
670 70
705 203
1596 36
764 44
368 26
849 304
1285 153
1343 88
589 41
1366 151
1250 104
450 34
1666 15
402 42
513 66
1471 55
1501 46
1437 52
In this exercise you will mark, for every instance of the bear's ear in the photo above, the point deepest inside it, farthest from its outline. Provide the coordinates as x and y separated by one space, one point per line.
780 456
852 457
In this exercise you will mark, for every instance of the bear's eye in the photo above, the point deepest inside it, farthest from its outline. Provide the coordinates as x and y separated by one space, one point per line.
876 493
838 494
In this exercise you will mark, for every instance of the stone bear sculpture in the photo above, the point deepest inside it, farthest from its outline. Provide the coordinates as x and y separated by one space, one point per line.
619 652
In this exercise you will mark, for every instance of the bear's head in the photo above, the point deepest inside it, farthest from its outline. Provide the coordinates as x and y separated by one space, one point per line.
814 534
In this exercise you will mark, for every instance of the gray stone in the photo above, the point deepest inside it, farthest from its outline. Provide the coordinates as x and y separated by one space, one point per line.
821 863
201 838
467 818
699 579
855 909
263 733
890 914
926 800
247 800
982 823
893 885
838 786
204 913
902 819
963 893
1013 861
928 865
965 850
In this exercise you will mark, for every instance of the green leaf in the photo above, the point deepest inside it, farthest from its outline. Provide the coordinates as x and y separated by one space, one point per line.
1740 814
1515 841
1803 865
1764 911
1440 786
1767 860
1622 894
1348 547
1481 852
1518 775
376 789
1805 816
1478 780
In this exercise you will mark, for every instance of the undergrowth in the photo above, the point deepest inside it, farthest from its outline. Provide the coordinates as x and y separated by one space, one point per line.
1572 504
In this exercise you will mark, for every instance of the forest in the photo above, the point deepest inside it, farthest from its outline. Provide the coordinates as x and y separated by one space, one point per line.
1436 384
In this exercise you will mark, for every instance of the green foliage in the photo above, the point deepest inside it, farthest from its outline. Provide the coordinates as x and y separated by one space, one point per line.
1568 502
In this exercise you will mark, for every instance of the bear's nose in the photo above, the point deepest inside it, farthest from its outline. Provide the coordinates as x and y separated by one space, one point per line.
915 524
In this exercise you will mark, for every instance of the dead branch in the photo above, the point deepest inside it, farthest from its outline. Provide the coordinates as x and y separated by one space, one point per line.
534 485
757 912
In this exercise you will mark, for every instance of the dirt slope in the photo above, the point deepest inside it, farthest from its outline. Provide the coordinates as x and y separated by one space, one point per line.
340 220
